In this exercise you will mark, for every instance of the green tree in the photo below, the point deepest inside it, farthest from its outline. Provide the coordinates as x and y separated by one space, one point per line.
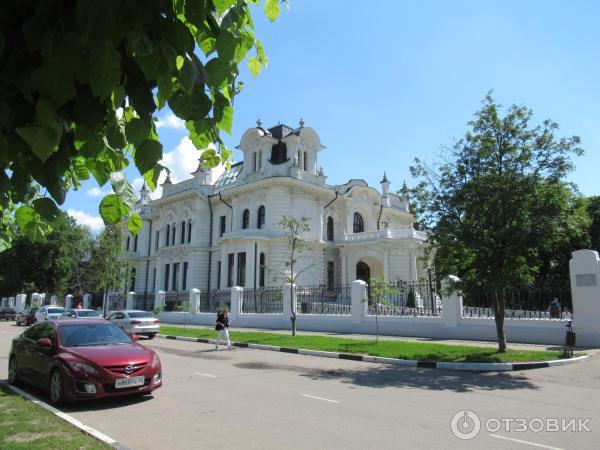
379 292
495 200
81 81
593 210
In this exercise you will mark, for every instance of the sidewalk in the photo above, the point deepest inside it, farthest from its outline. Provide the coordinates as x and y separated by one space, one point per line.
515 346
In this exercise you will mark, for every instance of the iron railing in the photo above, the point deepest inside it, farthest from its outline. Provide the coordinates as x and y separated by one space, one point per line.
144 302
534 302
265 300
211 302
177 300
323 300
404 298
116 301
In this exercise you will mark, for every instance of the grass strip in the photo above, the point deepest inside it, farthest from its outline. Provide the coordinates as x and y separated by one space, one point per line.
26 426
419 351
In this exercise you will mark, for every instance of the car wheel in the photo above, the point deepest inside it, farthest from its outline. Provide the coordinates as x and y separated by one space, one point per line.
151 335
57 388
13 376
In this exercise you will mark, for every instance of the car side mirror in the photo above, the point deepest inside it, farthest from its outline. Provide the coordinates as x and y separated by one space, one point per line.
44 343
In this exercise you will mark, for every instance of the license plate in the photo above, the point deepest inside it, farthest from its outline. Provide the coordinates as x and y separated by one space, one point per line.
129 382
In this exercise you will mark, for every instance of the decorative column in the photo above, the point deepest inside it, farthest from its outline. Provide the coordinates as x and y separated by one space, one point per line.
358 298
68 301
129 301
194 301
412 260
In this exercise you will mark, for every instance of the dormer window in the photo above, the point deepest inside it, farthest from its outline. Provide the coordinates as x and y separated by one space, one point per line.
358 224
279 153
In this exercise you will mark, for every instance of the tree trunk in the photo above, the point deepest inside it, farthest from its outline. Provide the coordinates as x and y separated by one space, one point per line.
293 316
499 319
293 319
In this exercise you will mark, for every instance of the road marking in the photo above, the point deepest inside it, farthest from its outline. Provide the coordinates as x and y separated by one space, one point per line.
205 375
525 442
319 398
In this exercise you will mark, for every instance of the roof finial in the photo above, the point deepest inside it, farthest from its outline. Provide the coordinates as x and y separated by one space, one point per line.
301 122
404 188
168 179
259 123
144 187
385 180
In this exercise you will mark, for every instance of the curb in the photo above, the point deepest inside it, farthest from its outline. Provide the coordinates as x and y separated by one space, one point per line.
67 418
476 367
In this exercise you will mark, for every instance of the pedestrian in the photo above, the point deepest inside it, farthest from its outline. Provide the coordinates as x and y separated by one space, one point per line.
79 305
567 314
554 309
222 328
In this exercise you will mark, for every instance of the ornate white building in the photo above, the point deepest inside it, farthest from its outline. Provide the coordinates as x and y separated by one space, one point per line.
213 232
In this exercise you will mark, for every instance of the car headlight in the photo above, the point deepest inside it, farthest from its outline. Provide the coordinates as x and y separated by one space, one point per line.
155 362
82 367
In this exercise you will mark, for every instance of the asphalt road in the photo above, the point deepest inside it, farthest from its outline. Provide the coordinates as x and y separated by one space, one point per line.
266 400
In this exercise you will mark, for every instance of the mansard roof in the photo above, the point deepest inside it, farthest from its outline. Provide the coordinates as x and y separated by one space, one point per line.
229 176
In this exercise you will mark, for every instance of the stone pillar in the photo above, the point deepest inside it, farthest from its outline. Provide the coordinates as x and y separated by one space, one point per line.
129 301
20 302
236 302
87 301
359 300
289 300
54 300
11 302
584 268
68 301
195 301
42 298
452 302
159 299
4 301
35 298
412 260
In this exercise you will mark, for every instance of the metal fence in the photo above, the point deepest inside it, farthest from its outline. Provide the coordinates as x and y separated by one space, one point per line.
537 302
404 298
323 300
116 301
265 300
144 302
177 300
211 302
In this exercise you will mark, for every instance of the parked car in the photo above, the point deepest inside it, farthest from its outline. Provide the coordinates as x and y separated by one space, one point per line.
136 322
8 313
81 360
49 313
26 317
77 313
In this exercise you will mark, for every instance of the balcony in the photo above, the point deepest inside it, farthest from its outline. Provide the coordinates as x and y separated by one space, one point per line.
382 235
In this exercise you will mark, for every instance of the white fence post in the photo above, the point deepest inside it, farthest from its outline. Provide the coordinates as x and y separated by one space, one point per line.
11 302
87 301
68 301
584 268
129 301
194 301
290 300
4 301
236 302
358 296
20 302
53 300
159 299
452 302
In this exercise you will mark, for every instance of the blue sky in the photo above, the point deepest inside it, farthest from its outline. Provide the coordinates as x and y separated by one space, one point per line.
387 81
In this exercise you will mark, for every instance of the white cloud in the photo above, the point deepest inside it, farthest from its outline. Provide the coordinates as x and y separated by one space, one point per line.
82 218
95 192
182 161
170 121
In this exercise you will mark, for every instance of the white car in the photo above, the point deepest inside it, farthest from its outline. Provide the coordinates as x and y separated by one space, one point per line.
78 313
49 313
136 322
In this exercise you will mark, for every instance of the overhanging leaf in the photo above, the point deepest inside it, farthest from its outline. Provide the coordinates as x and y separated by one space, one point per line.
147 155
112 209
134 224
46 208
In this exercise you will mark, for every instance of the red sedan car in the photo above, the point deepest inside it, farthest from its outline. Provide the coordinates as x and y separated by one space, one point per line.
83 359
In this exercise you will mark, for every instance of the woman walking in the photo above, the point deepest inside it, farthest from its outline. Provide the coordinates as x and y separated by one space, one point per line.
222 328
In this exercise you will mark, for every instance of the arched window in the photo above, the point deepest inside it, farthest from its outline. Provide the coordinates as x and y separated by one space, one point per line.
358 225
182 237
330 228
173 229
245 219
167 235
305 162
261 272
260 220
189 231
254 162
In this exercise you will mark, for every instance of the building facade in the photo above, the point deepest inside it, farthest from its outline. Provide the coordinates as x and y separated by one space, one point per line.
215 231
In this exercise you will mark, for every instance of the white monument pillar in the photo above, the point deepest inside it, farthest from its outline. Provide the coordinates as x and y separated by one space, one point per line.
68 301
359 300
452 302
129 301
236 302
87 301
194 301
584 268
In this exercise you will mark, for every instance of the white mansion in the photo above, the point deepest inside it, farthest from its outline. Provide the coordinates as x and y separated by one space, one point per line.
213 232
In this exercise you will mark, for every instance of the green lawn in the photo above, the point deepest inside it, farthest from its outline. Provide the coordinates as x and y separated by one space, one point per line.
420 351
26 426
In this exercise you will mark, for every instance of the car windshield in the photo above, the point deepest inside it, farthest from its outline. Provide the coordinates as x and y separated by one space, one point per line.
87 314
56 310
80 335
139 315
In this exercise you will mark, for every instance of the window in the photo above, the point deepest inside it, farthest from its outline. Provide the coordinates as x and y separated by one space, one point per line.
230 257
259 159
305 162
218 274
260 220
358 225
167 235
254 162
184 276
241 269
173 230
189 231
135 241
223 225
182 237
156 239
128 242
166 283
153 280
174 285
330 228
132 281
330 275
261 271
245 219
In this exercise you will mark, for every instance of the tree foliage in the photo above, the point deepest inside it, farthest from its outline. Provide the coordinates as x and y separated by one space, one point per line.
81 81
497 201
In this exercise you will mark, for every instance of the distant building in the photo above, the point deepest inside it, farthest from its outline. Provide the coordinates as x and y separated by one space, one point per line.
212 232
